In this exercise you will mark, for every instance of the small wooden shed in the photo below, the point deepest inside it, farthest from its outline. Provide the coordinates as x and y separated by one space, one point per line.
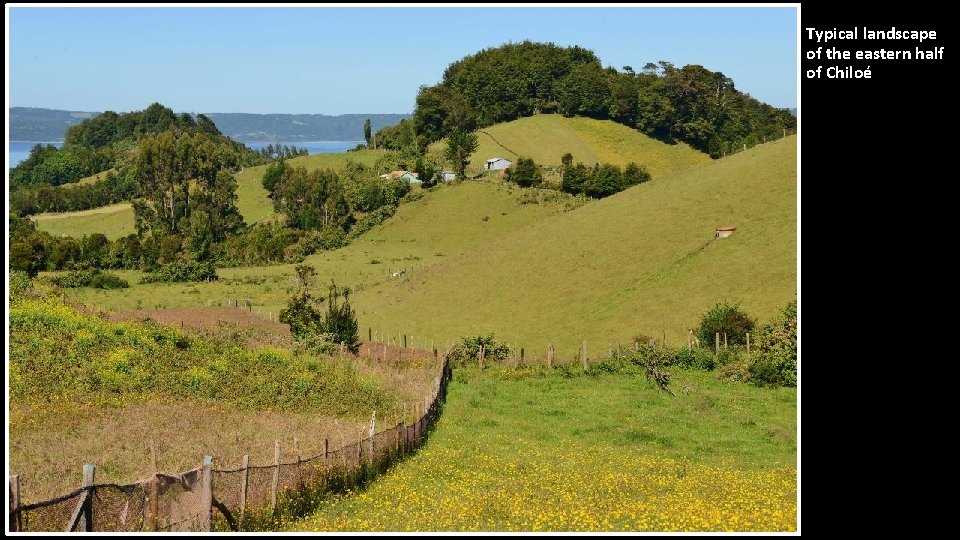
723 232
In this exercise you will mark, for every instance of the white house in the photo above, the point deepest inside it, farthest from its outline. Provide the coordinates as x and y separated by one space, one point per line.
497 164
448 175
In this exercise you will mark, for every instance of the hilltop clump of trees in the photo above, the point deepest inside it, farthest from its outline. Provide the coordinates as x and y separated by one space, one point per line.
688 104
110 142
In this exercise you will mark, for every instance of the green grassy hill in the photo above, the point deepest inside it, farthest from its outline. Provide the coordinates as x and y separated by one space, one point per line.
546 137
113 221
444 223
642 261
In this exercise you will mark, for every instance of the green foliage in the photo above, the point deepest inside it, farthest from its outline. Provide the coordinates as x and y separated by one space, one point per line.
460 146
776 351
525 173
313 327
94 278
42 197
273 174
179 271
56 350
695 358
601 181
341 319
468 350
366 130
724 318
18 284
689 104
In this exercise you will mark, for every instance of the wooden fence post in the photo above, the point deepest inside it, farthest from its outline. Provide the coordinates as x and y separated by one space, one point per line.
748 344
296 450
369 334
84 509
521 355
151 521
480 362
373 431
276 476
690 340
15 503
716 345
583 354
245 465
404 341
206 493
725 340
326 449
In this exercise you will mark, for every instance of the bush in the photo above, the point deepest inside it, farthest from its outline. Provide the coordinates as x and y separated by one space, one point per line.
697 358
19 284
468 350
776 351
95 278
180 271
724 318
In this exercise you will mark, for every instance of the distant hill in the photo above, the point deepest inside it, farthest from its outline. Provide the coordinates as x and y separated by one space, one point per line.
46 125
36 124
299 127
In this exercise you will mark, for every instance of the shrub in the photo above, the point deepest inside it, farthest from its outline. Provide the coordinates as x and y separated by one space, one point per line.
697 358
19 284
468 350
180 271
724 318
776 351
95 278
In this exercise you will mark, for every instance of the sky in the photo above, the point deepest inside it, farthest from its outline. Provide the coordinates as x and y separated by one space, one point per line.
356 60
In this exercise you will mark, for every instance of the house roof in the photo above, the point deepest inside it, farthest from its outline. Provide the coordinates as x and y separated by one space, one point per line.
727 228
491 160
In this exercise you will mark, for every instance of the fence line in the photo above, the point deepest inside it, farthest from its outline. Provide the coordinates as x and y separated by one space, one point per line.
253 497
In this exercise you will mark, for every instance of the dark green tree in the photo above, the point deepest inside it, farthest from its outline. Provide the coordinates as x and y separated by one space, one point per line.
525 173
460 146
723 319
367 131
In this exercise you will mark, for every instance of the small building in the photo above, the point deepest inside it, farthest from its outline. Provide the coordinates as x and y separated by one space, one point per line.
448 175
410 178
393 175
497 164
723 232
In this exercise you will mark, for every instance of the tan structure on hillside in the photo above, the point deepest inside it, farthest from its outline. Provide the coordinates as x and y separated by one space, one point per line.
723 232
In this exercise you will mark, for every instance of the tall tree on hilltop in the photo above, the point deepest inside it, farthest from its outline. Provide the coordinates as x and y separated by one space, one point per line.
367 131
460 146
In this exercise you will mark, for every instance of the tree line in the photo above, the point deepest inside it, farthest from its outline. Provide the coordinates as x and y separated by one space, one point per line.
690 104
111 141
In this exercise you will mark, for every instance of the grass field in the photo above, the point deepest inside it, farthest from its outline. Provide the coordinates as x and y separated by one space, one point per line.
546 137
86 390
611 453
641 261
114 221
443 224
252 200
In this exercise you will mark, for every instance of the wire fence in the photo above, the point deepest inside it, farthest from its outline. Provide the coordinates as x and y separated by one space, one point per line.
251 497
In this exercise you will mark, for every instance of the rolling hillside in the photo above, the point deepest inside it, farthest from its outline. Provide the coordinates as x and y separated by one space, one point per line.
642 261
113 221
546 137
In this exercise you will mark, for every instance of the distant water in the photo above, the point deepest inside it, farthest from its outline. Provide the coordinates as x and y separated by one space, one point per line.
314 147
19 150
